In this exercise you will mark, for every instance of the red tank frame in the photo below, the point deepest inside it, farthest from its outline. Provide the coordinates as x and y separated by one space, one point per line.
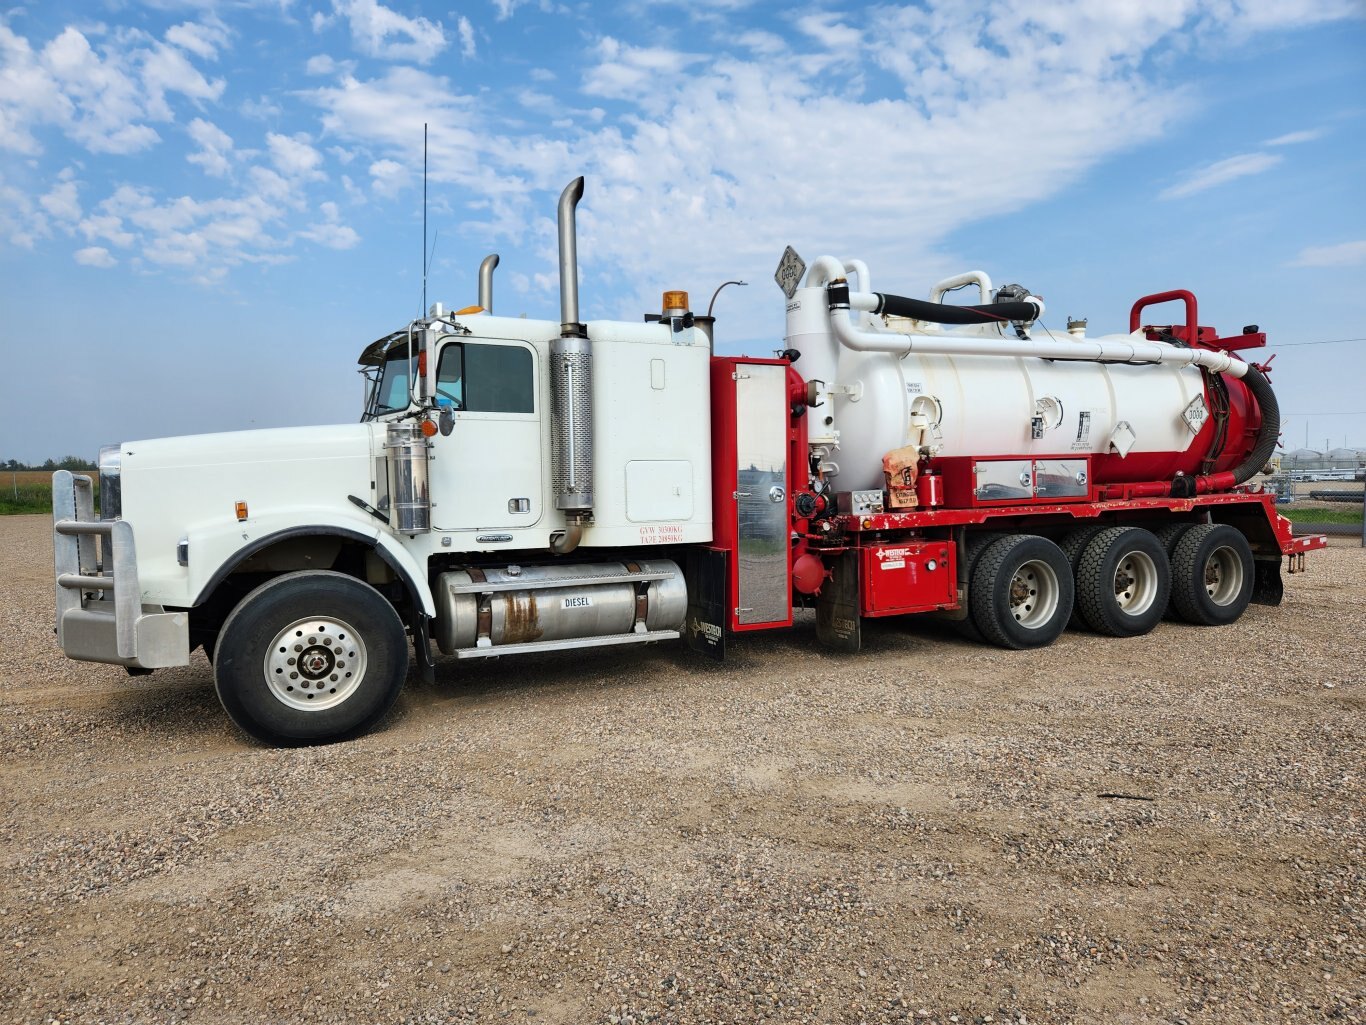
921 546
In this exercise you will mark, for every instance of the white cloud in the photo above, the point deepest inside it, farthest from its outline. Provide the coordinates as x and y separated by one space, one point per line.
214 147
107 227
379 31
21 223
101 89
1220 173
273 186
29 95
106 102
205 238
199 39
294 156
636 73
62 202
95 256
388 177
1344 254
262 108
1295 138
816 129
1248 16
827 30
764 44
330 232
387 114
166 69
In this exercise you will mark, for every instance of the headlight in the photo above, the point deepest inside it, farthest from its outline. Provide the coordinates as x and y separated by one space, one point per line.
111 484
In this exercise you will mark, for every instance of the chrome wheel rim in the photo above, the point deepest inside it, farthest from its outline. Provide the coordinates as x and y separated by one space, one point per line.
1034 594
1135 583
1223 576
315 664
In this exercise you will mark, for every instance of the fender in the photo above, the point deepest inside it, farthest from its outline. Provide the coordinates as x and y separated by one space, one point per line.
227 547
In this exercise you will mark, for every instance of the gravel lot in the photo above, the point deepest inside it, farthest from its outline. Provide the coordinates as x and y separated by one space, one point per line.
1166 829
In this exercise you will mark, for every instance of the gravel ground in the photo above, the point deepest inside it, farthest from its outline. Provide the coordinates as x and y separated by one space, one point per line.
1165 829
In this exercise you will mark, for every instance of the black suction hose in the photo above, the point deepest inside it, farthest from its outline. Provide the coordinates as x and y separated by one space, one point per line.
944 313
1270 431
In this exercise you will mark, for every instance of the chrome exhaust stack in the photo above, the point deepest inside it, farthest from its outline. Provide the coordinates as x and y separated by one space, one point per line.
569 260
486 282
571 387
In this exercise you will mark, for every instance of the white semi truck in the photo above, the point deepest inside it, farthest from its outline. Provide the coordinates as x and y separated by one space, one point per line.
519 486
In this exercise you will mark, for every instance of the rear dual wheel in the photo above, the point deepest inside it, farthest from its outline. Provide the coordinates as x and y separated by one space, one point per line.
1123 582
1212 574
1021 592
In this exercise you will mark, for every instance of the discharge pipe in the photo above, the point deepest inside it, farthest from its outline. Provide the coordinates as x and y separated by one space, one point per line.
1090 349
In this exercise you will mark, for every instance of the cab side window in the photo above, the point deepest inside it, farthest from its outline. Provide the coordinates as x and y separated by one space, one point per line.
487 378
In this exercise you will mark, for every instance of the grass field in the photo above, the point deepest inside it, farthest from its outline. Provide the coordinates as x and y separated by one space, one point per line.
30 491
1319 514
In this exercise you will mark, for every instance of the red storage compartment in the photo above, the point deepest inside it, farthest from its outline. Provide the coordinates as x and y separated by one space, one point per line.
916 576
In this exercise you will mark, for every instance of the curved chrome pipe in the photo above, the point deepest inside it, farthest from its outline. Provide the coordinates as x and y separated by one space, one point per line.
486 282
562 542
569 259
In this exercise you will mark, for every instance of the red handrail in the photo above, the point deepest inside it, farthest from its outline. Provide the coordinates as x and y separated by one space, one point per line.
1192 320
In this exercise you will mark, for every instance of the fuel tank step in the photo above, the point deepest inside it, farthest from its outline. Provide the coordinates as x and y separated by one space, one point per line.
528 647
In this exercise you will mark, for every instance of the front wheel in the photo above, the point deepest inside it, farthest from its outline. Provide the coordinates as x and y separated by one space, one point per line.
310 657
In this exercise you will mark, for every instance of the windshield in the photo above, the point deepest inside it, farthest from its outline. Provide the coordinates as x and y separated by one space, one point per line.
391 394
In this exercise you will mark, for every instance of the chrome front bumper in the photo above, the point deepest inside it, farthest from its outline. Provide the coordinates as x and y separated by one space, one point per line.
100 615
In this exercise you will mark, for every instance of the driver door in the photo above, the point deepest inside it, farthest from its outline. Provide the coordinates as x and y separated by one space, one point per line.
487 473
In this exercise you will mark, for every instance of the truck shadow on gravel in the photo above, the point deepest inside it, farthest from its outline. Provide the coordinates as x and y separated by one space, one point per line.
175 706
646 669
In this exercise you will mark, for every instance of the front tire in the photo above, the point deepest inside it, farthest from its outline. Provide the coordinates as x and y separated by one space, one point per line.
309 658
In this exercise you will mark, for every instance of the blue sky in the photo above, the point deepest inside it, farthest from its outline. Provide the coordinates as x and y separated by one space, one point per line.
207 207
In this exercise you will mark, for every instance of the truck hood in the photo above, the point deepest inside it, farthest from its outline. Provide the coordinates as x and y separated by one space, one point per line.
249 448
179 484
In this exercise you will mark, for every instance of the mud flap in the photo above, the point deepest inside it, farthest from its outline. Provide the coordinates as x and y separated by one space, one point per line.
838 624
1267 588
422 648
705 628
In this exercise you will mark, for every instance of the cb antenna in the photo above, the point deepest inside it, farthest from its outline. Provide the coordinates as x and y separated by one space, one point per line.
423 312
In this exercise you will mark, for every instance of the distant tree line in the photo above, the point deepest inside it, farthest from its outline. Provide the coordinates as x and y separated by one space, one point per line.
65 463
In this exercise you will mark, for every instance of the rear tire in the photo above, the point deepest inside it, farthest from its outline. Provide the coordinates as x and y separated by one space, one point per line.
1021 592
1212 575
973 550
309 658
1123 582
1073 544
1169 537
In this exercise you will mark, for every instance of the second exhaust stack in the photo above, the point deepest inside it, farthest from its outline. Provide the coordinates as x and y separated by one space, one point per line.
571 379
